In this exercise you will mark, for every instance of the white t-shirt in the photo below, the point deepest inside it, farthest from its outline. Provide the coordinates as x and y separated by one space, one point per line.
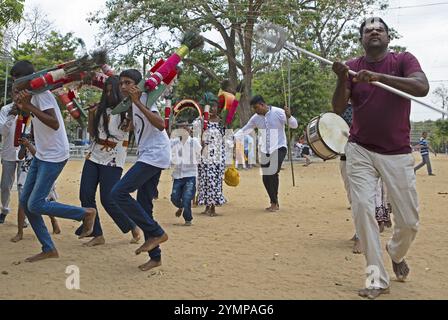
185 157
153 144
7 130
107 156
51 145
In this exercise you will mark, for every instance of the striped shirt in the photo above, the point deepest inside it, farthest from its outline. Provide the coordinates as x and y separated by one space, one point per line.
424 147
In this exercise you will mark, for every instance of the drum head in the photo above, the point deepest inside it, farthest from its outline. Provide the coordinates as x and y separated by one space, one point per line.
334 131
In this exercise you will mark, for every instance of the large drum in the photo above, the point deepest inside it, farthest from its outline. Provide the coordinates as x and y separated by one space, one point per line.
327 135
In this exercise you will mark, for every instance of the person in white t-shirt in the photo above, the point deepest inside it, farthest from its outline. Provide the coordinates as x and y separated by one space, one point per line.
10 163
26 153
105 161
153 157
186 153
52 153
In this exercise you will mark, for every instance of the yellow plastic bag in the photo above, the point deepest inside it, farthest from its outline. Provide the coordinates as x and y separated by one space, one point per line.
232 177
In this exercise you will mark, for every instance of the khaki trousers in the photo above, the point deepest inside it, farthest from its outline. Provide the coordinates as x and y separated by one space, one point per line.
397 171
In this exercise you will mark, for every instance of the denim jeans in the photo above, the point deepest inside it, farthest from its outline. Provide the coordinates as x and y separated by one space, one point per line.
144 178
183 193
92 175
40 179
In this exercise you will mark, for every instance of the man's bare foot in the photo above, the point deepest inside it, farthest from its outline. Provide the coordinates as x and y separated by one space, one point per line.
96 241
373 293
179 212
212 212
357 247
136 235
151 243
88 223
43 256
17 238
206 211
401 269
55 225
274 207
151 264
56 229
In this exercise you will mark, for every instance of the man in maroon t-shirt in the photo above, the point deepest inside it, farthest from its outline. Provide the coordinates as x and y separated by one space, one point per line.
379 146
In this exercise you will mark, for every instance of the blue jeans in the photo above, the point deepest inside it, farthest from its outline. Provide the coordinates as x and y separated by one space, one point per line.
92 175
183 193
40 179
144 178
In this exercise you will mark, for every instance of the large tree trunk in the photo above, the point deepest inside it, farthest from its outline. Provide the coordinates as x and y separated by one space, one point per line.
244 109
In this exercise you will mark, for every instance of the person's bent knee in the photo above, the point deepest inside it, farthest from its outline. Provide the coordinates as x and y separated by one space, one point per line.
36 207
117 193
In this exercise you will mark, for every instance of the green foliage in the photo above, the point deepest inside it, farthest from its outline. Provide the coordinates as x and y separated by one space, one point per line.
311 89
437 133
153 27
56 49
10 11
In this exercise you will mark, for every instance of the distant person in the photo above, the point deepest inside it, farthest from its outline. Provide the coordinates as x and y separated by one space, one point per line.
271 121
424 148
10 163
305 152
185 155
26 156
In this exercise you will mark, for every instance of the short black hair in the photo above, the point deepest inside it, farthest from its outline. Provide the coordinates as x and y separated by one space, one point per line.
22 68
133 74
361 29
257 99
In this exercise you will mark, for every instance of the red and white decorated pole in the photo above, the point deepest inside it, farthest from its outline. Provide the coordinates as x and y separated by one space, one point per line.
168 109
67 101
206 116
23 120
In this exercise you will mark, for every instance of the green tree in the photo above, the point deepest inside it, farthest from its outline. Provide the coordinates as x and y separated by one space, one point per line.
10 11
442 94
56 49
439 138
228 27
328 27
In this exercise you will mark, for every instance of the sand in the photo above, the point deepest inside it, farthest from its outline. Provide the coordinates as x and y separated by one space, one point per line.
302 252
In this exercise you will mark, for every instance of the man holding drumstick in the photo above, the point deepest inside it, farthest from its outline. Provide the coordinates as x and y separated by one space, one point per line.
379 146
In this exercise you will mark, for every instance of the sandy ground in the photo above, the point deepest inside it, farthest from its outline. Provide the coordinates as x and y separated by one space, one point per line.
303 252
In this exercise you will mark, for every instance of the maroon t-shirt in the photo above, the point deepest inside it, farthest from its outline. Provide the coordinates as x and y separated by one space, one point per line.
380 118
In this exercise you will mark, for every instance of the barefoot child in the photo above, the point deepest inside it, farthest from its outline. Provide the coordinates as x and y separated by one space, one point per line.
26 154
143 176
186 152
52 153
